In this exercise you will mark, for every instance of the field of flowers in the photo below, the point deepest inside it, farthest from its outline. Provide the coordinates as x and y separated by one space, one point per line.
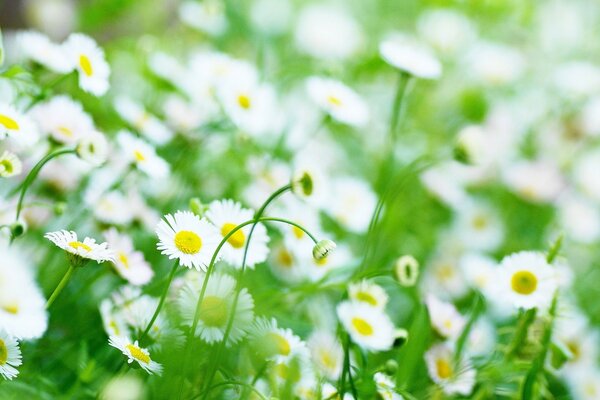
292 199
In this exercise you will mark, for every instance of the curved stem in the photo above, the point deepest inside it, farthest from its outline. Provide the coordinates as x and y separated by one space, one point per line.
61 285
33 174
161 301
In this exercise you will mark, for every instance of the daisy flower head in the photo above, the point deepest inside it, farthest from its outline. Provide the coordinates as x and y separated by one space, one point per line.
216 308
226 215
446 320
10 356
144 122
80 251
88 59
10 165
353 203
16 126
188 238
368 327
129 263
368 293
409 56
326 353
385 387
274 343
453 378
208 16
142 155
134 352
93 148
338 100
63 119
39 48
527 280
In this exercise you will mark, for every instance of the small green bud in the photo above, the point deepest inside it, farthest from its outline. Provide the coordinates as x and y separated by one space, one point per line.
18 229
59 208
407 270
197 207
303 184
391 367
323 248
400 337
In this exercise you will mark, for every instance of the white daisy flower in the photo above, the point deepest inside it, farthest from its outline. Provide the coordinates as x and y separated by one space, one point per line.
64 119
88 59
274 343
338 100
445 318
326 353
22 305
368 292
10 165
112 319
453 378
135 353
226 215
406 54
39 48
536 181
93 148
526 280
479 271
208 16
216 307
188 238
10 356
386 387
16 126
353 203
478 226
144 122
113 208
129 263
142 155
88 249
368 327
585 383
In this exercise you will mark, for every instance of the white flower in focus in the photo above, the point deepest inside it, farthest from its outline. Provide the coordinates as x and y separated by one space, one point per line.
453 378
188 238
135 353
216 309
87 249
228 214
526 280
368 327
88 59
338 100
129 263
409 56
10 165
142 155
445 318
10 356
368 293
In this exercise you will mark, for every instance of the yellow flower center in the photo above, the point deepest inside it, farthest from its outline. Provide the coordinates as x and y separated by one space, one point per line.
366 297
480 222
362 326
6 166
328 360
299 233
79 245
444 369
321 262
285 258
8 122
124 259
244 101
279 344
524 282
85 64
238 239
213 311
139 156
65 131
12 308
334 100
3 352
138 354
188 242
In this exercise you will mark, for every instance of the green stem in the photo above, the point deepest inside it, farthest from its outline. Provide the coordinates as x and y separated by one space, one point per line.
33 174
403 80
462 339
525 320
161 301
61 285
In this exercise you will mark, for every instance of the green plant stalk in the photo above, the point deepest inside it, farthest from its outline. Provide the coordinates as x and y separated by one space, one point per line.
525 320
346 371
223 342
61 285
33 174
464 335
161 301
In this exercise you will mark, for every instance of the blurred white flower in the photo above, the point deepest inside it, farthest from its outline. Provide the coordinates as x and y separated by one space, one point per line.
207 16
408 55
452 378
447 30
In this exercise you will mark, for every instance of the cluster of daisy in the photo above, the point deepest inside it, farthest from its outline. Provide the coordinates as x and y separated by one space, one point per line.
441 160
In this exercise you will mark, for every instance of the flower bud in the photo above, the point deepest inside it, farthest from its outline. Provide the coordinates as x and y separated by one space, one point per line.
197 207
59 208
400 337
468 148
303 184
323 248
407 270
391 367
93 148
18 229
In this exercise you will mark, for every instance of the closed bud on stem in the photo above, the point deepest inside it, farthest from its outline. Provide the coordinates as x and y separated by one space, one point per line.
197 207
391 367
400 337
303 184
407 270
468 148
18 229
323 248
59 208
